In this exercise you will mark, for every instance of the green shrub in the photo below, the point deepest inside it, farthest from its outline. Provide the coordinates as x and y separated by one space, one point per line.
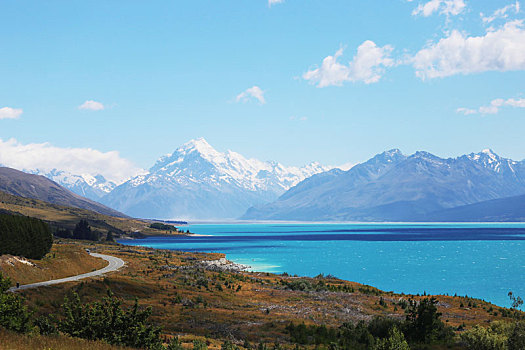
108 321
395 341
480 338
13 314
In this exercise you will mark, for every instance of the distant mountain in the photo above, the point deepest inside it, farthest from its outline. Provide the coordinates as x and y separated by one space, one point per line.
395 187
85 185
511 209
198 182
21 184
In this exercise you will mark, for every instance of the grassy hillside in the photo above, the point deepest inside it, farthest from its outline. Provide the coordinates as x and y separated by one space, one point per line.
190 300
68 217
15 341
64 260
25 185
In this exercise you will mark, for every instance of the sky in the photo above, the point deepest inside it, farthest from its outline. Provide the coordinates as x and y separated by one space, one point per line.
114 85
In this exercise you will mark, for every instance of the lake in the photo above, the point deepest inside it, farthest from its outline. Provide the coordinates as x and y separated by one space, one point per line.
480 260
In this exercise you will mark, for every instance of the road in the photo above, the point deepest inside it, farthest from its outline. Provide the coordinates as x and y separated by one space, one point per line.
114 264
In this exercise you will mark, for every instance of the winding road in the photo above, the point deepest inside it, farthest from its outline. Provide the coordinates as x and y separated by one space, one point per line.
114 264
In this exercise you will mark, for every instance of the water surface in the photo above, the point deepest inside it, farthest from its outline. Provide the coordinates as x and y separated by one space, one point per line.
480 260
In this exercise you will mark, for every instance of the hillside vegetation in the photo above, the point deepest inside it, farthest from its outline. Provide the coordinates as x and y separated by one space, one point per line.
25 185
63 260
64 217
24 236
193 300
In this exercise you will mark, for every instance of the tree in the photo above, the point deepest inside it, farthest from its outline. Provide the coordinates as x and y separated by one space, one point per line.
24 236
516 302
423 324
109 237
83 231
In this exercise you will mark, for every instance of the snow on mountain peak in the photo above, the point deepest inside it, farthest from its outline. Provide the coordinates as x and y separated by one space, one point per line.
197 161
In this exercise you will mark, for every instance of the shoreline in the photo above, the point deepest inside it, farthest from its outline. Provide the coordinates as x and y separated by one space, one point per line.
399 276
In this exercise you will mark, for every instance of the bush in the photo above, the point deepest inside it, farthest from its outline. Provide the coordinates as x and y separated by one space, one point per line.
175 344
517 337
108 321
13 314
480 338
199 345
395 341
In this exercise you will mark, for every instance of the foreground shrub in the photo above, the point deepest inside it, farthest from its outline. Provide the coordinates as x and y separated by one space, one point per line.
108 321
13 314
480 338
517 337
395 341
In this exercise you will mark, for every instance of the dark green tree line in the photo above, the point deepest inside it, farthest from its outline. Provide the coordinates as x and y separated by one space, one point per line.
24 236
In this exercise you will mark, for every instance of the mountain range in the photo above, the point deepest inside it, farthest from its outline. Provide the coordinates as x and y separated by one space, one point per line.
199 182
93 187
18 183
394 187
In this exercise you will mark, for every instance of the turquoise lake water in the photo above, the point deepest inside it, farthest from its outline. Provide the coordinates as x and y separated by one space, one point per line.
480 260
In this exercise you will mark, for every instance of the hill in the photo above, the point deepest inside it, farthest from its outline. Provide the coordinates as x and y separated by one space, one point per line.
503 209
59 216
395 187
25 185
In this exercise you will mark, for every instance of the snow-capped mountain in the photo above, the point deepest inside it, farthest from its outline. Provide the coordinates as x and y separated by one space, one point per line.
395 187
85 185
199 182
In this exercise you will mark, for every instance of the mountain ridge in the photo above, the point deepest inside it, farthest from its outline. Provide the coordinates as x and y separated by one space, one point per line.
198 182
394 187
39 187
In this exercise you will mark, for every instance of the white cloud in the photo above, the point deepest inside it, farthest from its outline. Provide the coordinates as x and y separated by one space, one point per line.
300 119
501 13
466 111
346 166
494 106
10 113
254 92
78 161
273 2
444 7
498 50
368 65
91 105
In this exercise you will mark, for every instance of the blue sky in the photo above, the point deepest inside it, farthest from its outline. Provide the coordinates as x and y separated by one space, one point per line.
141 78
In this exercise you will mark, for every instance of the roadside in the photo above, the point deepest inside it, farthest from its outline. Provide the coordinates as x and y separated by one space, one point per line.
64 260
114 264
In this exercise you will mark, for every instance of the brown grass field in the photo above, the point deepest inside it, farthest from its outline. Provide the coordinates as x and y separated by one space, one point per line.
64 260
15 341
191 301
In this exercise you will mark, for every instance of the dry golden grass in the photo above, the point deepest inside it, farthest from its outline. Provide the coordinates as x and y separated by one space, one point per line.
64 260
15 341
